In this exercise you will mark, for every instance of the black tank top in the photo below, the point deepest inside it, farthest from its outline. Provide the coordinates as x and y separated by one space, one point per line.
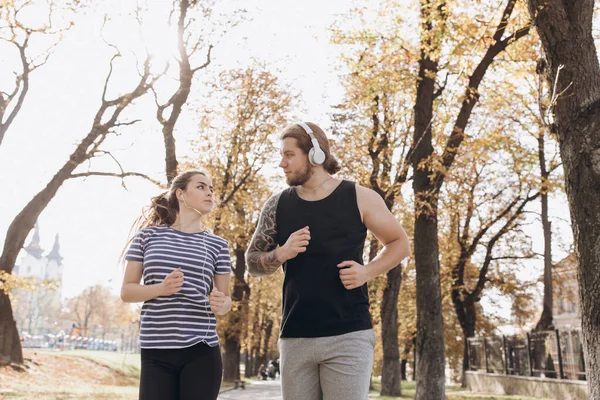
315 303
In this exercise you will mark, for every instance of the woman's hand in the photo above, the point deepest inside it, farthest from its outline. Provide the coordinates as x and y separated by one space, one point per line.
172 283
219 302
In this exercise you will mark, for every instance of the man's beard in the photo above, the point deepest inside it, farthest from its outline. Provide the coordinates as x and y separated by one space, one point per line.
300 177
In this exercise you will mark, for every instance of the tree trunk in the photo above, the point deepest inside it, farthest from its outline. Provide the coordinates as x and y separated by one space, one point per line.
469 319
565 29
241 290
248 364
428 182
430 328
10 345
231 358
414 371
404 363
403 369
256 338
381 170
268 333
390 371
15 237
177 102
256 360
105 120
179 98
233 333
545 323
374 247
546 320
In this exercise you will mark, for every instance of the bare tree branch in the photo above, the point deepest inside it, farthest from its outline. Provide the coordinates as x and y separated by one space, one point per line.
490 245
471 93
20 36
117 175
210 47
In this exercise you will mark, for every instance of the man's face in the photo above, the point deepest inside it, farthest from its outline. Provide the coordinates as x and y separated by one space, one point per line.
294 163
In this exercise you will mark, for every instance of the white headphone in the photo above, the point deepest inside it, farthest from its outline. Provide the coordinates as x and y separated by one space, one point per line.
186 204
316 156
205 255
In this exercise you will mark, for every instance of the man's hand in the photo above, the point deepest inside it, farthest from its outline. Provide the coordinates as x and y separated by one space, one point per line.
295 244
353 274
172 283
219 302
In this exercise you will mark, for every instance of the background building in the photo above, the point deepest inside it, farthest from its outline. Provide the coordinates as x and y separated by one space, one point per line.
37 307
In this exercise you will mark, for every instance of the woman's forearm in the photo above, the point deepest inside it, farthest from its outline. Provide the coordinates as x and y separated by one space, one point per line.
136 293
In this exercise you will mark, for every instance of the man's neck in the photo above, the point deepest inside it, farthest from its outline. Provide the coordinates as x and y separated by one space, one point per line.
318 180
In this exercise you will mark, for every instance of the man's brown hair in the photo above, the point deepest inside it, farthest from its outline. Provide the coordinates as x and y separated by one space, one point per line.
331 165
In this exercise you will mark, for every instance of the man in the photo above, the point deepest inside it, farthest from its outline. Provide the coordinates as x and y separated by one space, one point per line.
316 229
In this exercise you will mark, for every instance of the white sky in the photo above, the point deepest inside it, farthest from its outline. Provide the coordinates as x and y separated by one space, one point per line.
93 217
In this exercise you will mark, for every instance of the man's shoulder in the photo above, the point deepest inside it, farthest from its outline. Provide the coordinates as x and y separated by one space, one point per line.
271 203
364 191
368 198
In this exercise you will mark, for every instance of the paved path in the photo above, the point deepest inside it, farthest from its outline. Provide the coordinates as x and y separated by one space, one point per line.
258 390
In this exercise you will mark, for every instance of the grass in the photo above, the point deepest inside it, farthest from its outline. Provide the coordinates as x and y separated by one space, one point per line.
452 393
48 375
74 374
81 374
125 363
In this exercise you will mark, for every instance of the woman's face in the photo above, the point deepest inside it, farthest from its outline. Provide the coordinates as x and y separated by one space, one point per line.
199 194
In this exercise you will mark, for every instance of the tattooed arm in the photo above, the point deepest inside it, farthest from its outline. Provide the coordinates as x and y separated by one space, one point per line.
263 255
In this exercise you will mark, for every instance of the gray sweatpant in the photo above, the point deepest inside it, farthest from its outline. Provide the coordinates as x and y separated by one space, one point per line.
327 368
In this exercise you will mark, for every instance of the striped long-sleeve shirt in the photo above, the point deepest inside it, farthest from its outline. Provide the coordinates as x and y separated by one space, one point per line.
182 319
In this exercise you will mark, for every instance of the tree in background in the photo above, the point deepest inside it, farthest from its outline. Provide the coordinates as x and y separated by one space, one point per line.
36 305
35 301
20 30
101 314
371 129
573 73
106 121
199 27
447 42
532 104
438 28
484 201
262 329
236 142
33 41
91 303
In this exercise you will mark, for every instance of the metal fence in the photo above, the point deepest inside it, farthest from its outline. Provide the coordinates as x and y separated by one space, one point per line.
124 343
551 354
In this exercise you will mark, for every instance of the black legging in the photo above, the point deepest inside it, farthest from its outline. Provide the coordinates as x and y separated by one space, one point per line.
192 373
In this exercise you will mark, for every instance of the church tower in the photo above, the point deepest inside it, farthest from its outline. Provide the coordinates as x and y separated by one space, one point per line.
54 267
32 262
37 310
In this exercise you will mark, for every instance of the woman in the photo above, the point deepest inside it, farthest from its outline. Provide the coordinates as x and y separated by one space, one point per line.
179 261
